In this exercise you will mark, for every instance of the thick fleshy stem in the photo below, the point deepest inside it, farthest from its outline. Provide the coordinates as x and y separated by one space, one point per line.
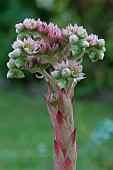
65 148
56 88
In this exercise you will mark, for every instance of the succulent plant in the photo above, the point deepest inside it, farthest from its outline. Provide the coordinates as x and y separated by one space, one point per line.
40 46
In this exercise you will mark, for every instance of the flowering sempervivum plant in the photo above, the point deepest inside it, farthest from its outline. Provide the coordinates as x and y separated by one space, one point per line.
40 46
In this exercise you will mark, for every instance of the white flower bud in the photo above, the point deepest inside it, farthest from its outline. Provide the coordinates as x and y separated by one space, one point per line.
81 32
10 74
11 64
29 23
73 39
19 27
17 44
66 73
56 74
101 55
104 49
84 44
15 73
75 50
17 52
101 42
10 55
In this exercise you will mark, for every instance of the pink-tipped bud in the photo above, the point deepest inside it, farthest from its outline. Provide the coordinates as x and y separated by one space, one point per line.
29 23
19 27
11 64
17 44
17 52
66 73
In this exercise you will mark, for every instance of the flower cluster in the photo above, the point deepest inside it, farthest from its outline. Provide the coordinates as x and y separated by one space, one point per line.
34 62
52 32
96 47
38 42
52 99
66 71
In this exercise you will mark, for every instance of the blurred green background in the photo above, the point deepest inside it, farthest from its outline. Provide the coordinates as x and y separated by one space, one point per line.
26 133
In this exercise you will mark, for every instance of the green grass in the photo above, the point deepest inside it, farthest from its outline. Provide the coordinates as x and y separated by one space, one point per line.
26 133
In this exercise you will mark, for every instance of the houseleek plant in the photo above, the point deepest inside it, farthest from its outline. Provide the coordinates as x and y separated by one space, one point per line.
56 55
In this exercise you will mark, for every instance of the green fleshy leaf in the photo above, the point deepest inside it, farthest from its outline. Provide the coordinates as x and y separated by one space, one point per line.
15 73
19 62
93 57
61 83
21 36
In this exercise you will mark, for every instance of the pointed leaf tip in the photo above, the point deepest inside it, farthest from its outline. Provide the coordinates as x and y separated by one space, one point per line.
59 118
67 164
56 147
64 92
73 136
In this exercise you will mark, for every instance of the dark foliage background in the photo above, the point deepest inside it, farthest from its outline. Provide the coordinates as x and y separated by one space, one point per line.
96 16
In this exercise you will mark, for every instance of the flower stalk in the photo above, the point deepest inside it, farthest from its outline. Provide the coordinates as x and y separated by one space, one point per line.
40 46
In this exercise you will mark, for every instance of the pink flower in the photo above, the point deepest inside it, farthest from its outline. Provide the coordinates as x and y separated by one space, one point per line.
54 47
29 23
54 33
17 44
41 26
42 46
19 27
35 61
92 39
69 30
29 45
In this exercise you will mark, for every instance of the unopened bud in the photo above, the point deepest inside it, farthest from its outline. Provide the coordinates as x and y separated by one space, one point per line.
84 44
66 73
10 74
15 73
93 57
17 52
11 55
101 55
73 39
52 99
19 27
75 50
81 32
19 62
29 23
56 74
101 42
17 44
11 64
104 49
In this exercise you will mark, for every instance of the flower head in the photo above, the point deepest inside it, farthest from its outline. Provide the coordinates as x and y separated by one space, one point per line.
66 70
41 27
35 62
92 39
29 45
29 24
54 33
